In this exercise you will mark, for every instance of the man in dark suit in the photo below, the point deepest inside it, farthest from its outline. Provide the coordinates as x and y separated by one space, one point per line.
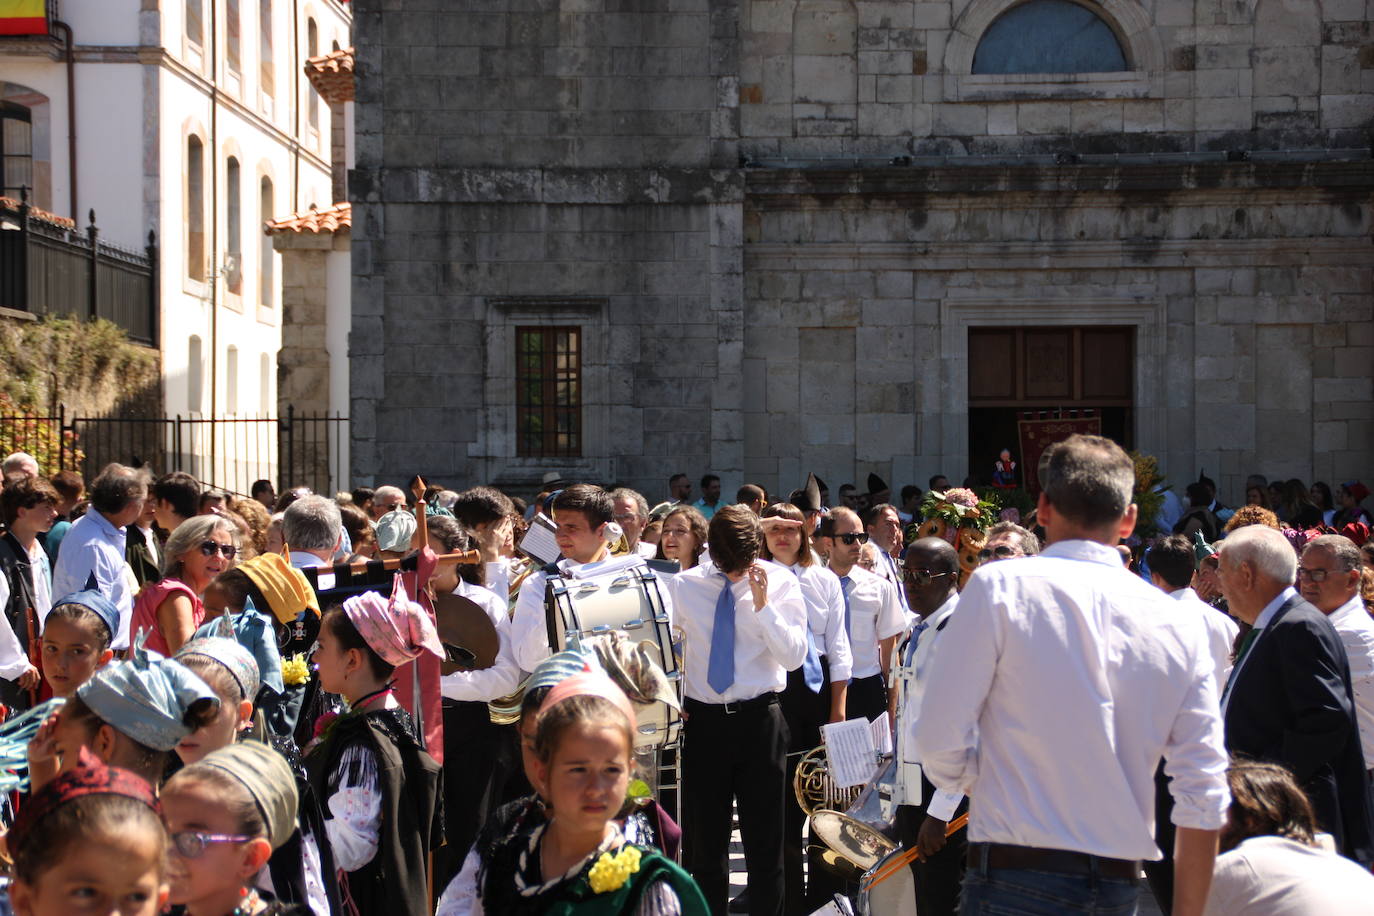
1289 698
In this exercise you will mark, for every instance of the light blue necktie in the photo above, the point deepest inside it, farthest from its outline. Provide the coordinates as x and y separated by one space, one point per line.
720 670
844 590
811 667
915 638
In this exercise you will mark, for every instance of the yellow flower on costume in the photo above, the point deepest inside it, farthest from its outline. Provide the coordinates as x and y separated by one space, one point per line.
612 871
294 670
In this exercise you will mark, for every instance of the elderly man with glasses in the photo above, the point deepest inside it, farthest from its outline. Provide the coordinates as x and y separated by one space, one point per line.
1007 541
873 614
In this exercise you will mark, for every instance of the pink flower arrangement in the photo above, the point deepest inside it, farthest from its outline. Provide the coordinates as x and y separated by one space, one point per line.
962 496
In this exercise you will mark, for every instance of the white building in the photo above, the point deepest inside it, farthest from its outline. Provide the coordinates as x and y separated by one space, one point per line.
195 119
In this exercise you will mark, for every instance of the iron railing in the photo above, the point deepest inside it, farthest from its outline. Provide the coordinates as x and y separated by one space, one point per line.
225 453
48 267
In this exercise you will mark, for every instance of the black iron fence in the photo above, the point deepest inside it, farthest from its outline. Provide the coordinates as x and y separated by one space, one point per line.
226 453
48 267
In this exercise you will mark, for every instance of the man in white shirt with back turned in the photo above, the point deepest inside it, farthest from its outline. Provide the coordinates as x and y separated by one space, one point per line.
743 626
1058 686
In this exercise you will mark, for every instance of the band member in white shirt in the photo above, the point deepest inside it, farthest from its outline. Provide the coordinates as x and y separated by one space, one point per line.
631 512
1060 682
744 627
884 529
816 690
931 579
873 614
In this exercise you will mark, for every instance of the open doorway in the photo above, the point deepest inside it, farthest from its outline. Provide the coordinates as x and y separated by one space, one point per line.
1018 373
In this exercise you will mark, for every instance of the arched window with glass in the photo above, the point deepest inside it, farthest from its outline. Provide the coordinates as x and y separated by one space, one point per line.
195 208
233 211
1049 36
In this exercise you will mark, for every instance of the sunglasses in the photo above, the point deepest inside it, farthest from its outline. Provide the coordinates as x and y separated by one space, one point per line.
853 537
1002 552
192 845
1316 575
210 548
923 577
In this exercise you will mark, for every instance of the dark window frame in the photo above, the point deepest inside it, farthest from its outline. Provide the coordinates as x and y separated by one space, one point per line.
12 111
548 391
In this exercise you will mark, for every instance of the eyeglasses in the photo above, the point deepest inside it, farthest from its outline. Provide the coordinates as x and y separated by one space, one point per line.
1001 552
1316 575
923 577
192 845
210 548
853 537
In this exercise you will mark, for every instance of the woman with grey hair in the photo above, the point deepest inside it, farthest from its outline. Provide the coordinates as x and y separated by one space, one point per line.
170 610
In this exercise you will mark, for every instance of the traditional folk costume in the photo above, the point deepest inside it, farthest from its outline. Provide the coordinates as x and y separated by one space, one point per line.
380 789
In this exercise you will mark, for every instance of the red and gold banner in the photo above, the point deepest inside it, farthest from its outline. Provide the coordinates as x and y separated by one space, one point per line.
1038 435
23 17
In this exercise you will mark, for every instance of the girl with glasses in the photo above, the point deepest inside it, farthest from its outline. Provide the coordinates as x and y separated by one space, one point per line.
226 814
171 609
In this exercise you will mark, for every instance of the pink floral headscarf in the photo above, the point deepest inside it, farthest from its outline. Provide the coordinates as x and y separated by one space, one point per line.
397 630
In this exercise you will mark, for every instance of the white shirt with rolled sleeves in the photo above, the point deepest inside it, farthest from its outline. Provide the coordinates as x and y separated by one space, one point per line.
529 628
1356 630
769 642
501 678
911 682
93 545
825 615
1058 686
1221 631
875 614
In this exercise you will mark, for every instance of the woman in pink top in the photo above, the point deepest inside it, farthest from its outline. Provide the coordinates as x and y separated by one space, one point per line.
199 549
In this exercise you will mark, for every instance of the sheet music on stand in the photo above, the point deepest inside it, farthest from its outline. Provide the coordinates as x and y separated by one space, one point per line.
539 541
851 752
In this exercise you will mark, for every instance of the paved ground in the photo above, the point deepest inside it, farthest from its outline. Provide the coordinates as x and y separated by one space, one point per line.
1148 906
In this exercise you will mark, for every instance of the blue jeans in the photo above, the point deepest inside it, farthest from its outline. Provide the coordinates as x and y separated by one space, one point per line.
1023 892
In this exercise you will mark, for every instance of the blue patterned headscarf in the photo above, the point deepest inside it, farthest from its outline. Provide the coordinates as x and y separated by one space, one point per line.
562 665
97 604
254 632
146 697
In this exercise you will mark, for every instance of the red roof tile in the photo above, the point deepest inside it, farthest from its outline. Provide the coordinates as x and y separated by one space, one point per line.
330 219
332 75
43 216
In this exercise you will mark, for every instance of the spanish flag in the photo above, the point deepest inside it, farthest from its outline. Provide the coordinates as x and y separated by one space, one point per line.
23 17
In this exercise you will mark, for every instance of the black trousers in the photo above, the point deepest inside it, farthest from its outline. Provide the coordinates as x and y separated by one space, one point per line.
867 698
477 756
805 713
939 877
739 756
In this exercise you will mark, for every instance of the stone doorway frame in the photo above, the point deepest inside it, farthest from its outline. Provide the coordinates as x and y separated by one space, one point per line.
959 313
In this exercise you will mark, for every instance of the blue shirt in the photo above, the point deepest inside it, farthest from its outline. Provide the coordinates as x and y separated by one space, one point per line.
93 545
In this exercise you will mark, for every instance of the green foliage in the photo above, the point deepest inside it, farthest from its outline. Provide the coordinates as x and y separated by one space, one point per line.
86 363
960 508
1015 498
41 437
1148 502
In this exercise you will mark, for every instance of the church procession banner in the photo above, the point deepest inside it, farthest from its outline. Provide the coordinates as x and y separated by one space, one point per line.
1038 435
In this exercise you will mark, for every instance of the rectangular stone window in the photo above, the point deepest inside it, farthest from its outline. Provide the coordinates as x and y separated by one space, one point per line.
548 392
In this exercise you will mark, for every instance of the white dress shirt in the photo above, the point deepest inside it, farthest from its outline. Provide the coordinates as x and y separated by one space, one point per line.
40 573
1058 686
497 577
93 545
1356 629
529 632
874 615
13 660
891 570
912 677
1261 622
1221 631
769 642
154 548
825 615
1276 876
502 677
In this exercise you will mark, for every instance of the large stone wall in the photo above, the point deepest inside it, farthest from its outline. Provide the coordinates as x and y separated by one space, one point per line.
775 221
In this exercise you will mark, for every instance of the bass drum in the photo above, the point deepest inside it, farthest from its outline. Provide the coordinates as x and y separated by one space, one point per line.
893 895
628 600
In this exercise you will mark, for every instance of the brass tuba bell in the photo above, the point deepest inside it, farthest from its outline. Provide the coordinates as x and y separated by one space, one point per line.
865 831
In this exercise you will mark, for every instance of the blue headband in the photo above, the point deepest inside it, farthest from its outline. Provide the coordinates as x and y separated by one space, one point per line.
97 604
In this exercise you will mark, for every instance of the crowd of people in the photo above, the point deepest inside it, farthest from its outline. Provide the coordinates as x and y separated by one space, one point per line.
209 721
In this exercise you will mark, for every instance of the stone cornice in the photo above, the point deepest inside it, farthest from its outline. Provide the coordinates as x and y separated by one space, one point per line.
547 186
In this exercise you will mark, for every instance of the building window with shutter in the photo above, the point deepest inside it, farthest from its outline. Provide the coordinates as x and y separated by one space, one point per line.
548 392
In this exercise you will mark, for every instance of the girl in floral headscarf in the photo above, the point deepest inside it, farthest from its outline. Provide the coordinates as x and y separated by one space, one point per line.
377 784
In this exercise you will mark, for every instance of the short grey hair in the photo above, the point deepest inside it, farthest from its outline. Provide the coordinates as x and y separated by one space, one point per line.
1089 480
446 499
386 493
117 486
641 504
312 523
1340 547
20 462
1264 548
1030 544
189 535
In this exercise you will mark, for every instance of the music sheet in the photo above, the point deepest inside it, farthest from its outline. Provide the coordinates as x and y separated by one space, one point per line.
882 734
850 749
539 541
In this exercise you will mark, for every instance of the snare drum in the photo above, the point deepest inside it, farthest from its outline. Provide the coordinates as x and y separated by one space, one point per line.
628 600
893 895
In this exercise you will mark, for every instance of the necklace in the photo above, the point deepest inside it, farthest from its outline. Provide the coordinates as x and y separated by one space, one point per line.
365 698
248 906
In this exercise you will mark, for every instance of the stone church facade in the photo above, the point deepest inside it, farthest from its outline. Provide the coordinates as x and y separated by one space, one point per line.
619 239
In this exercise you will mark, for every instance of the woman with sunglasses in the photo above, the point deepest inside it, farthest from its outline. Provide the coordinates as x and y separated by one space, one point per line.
171 609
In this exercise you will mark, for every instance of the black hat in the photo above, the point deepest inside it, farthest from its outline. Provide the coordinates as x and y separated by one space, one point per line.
876 485
808 498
